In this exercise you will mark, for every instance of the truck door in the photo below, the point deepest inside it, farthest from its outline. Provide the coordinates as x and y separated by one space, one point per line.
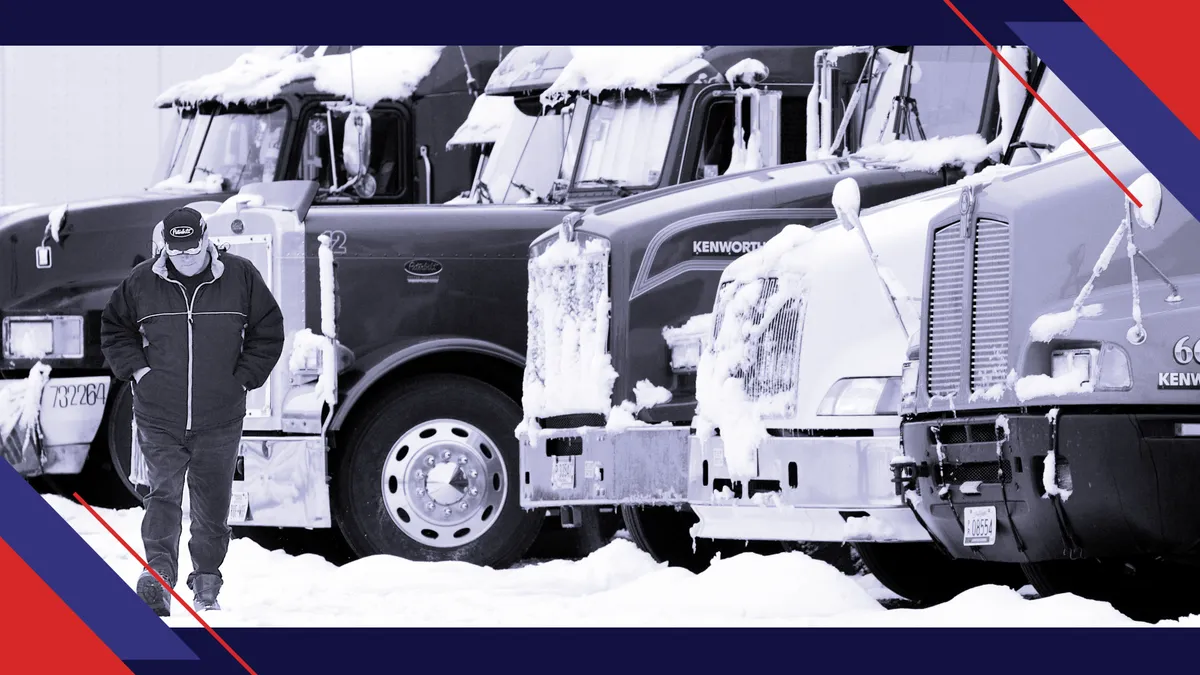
782 119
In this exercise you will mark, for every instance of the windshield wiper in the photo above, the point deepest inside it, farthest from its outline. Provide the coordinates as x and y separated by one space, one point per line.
616 185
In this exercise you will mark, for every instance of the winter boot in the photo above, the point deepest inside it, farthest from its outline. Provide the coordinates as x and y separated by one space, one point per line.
206 587
153 594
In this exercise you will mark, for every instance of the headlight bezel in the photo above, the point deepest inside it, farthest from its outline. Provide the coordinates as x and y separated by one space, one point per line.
66 336
1103 362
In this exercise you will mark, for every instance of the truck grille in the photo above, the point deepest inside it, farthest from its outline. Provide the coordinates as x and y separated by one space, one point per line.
990 293
769 366
989 306
944 362
568 314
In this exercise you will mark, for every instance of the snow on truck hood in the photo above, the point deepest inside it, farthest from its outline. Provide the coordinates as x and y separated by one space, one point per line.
379 73
595 69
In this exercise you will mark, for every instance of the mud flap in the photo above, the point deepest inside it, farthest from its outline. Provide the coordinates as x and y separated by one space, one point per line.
21 435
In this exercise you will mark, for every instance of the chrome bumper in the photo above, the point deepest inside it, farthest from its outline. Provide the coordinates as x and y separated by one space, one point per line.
281 482
71 412
806 489
642 465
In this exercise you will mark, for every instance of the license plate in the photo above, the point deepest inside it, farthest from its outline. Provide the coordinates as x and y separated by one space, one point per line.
979 526
239 504
563 475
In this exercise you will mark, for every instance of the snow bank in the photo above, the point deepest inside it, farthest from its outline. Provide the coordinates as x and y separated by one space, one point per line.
596 69
618 585
378 73
486 122
568 368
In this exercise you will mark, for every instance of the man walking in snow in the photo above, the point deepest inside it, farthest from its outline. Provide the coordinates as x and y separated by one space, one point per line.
195 328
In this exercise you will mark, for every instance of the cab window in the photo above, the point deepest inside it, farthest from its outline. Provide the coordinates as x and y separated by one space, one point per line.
324 164
716 140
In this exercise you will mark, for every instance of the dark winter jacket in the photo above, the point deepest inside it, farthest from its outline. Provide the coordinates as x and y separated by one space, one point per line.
204 352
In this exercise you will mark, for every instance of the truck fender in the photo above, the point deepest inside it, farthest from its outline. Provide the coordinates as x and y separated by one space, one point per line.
377 365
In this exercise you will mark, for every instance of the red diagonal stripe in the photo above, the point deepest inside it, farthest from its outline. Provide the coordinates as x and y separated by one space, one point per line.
1156 40
1050 110
180 601
40 633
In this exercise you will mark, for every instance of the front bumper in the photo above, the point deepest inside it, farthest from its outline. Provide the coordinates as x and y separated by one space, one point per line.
825 489
1131 479
590 465
281 482
70 410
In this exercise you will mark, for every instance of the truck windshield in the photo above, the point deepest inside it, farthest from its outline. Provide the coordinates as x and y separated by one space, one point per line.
221 152
949 85
1041 132
525 160
625 141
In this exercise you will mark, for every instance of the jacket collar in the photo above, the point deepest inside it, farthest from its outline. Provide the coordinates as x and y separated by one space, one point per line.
218 267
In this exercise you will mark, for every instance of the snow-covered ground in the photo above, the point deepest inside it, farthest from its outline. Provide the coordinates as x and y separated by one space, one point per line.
618 585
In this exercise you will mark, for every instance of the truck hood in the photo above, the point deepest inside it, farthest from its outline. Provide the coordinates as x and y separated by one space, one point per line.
120 227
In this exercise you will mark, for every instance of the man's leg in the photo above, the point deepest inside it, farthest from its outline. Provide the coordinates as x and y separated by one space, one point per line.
210 484
167 461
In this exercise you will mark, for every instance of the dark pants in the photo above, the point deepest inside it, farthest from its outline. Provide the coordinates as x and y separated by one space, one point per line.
207 459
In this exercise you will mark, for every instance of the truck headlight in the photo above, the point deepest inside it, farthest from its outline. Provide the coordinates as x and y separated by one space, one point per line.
41 337
1106 367
862 396
686 342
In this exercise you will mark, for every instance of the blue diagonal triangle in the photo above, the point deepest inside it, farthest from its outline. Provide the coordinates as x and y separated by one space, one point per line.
80 577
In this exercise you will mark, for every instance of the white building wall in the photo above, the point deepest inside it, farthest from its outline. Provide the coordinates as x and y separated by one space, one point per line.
79 122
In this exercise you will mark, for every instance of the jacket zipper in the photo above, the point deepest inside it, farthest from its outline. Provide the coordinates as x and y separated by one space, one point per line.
191 349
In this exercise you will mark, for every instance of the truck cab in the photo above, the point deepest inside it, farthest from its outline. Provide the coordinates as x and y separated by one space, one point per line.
1052 426
818 469
274 115
617 298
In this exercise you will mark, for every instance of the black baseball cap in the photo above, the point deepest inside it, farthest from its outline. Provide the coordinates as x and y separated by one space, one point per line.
183 229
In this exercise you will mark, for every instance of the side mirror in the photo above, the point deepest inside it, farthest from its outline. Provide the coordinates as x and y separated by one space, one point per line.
1148 191
356 149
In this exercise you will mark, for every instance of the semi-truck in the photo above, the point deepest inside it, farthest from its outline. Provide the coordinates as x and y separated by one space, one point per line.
617 297
813 461
1050 401
423 361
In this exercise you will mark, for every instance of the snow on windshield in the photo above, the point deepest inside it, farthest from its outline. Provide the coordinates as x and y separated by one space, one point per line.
486 122
626 140
527 154
211 153
378 73
596 69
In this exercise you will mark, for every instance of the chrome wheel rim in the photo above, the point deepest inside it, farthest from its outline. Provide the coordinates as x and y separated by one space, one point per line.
444 483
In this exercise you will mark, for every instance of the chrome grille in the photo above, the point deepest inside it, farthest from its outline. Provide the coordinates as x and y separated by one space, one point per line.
990 305
946 288
567 294
770 363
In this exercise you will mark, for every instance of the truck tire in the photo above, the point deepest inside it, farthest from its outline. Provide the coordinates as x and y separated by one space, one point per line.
430 472
665 533
926 576
1155 591
104 479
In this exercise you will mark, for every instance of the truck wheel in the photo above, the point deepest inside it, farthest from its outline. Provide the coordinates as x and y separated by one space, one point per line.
665 533
104 480
926 576
431 473
1144 591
